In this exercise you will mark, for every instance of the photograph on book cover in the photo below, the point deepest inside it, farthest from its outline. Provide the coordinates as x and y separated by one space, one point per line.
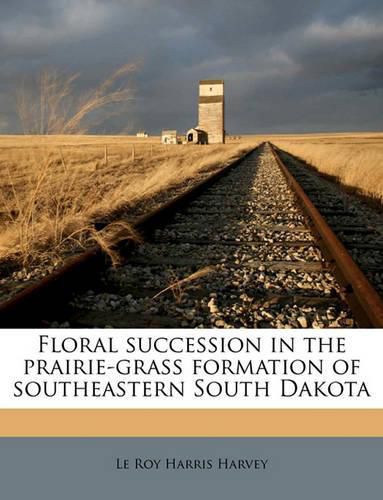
191 248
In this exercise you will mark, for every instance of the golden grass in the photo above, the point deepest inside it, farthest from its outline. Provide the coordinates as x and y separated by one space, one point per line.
52 188
177 285
355 159
75 141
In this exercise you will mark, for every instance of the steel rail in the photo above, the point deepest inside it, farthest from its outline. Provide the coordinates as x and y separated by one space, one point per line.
25 309
363 299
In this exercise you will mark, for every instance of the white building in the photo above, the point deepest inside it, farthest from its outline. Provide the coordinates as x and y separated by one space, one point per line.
169 137
196 136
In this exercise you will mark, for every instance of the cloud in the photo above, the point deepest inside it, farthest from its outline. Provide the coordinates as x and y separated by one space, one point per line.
179 32
351 30
70 19
288 65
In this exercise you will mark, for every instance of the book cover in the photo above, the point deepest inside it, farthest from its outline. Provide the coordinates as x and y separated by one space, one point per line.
191 249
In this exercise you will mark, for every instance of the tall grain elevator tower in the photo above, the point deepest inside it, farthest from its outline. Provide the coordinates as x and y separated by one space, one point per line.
211 110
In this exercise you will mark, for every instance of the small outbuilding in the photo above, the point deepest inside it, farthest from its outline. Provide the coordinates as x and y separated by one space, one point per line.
169 137
196 136
142 134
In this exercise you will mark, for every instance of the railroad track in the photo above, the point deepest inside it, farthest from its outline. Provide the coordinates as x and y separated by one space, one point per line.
355 223
237 251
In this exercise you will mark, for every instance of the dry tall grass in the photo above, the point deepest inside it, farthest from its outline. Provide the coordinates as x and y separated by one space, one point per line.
356 160
50 194
52 108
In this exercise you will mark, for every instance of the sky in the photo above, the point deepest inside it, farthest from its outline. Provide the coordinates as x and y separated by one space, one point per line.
290 66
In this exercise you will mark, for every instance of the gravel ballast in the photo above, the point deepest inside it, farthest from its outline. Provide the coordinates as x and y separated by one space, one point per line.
241 255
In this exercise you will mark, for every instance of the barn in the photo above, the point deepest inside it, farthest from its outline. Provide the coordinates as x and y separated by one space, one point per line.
196 136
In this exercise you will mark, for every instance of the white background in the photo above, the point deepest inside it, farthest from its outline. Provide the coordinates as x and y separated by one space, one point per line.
363 345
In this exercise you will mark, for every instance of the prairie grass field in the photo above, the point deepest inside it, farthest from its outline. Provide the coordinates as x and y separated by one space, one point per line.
53 188
353 159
